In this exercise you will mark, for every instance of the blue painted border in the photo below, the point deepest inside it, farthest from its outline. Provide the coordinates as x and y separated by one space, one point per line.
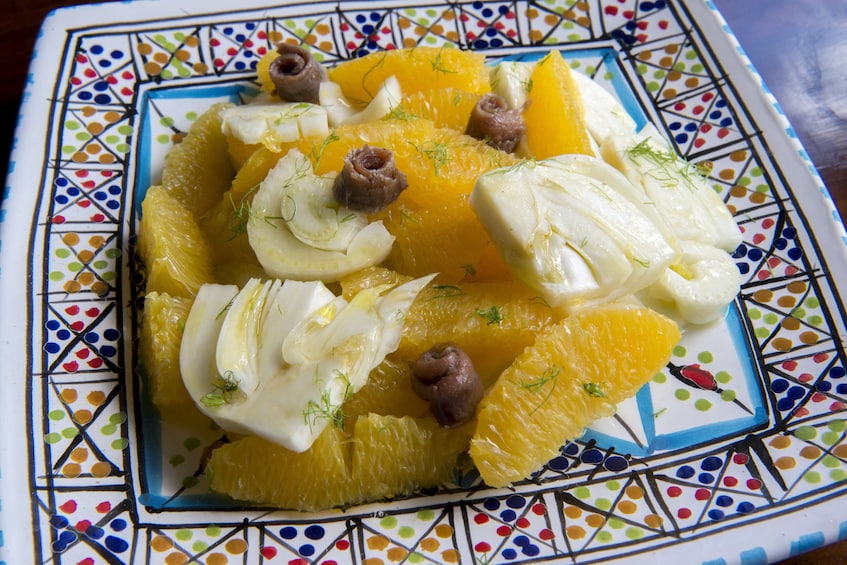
694 436
233 92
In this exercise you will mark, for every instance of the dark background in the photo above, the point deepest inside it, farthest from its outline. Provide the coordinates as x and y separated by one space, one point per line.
798 46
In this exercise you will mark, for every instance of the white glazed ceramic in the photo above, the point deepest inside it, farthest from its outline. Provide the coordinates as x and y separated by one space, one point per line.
734 454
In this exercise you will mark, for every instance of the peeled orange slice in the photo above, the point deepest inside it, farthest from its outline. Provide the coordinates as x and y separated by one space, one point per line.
417 69
491 321
575 373
555 123
256 470
198 171
435 229
176 256
162 322
446 107
397 456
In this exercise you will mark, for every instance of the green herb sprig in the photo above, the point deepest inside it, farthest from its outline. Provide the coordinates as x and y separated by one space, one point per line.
223 389
550 376
493 315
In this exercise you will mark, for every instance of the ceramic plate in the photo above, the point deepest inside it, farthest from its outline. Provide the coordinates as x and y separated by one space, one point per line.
715 460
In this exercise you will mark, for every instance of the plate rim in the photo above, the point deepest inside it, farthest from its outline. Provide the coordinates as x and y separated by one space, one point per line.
56 20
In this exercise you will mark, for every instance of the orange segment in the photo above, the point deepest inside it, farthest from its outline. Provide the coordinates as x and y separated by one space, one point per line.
227 218
263 74
225 225
198 171
175 254
446 107
555 123
162 322
340 470
491 321
575 373
416 69
240 152
370 277
256 470
397 456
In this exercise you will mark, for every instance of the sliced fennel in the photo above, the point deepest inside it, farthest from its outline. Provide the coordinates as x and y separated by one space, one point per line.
340 111
681 195
667 189
700 284
604 115
239 338
566 227
313 350
298 230
273 124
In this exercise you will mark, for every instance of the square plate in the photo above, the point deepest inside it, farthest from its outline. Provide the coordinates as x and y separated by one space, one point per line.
91 474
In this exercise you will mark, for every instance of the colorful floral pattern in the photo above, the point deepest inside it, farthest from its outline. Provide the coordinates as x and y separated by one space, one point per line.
748 418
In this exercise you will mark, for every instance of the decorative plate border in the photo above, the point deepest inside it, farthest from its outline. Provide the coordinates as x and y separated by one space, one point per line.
82 412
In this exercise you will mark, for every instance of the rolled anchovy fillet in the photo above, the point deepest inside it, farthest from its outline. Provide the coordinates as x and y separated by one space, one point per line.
369 181
495 123
445 376
296 74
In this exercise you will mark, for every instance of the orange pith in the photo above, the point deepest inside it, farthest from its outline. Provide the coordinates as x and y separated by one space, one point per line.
340 469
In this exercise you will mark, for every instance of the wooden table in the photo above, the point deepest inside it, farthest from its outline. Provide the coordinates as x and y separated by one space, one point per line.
797 45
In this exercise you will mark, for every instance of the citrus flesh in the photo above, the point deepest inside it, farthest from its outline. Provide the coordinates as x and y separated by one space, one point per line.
161 332
338 469
417 69
435 230
491 321
397 456
177 258
554 117
198 170
445 107
256 470
574 373
388 392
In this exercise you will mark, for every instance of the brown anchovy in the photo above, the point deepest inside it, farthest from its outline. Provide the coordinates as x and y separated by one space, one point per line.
445 376
296 75
494 122
369 181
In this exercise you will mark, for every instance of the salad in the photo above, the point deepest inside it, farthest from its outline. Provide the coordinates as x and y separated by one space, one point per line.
398 271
